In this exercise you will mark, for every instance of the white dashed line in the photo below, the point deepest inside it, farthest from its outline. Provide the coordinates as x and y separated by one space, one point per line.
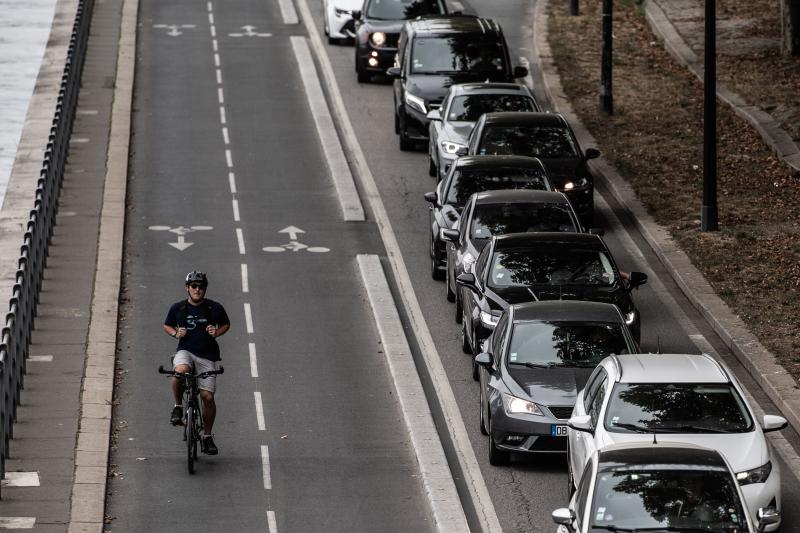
216 60
245 282
273 524
232 182
288 12
220 96
235 204
225 137
21 479
40 358
214 45
210 6
211 18
219 77
259 412
248 318
228 158
80 140
265 466
222 114
86 111
25 522
253 360
240 240
213 31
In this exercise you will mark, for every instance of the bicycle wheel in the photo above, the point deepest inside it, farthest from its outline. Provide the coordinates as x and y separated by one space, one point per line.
191 438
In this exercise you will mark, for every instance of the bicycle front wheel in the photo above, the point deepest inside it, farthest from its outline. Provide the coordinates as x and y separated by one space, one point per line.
191 438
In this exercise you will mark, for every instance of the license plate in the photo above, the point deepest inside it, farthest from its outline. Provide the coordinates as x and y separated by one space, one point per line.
558 431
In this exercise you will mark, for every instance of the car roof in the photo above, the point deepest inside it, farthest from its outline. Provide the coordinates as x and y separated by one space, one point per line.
450 23
534 118
670 368
663 455
494 161
567 311
522 240
489 88
521 196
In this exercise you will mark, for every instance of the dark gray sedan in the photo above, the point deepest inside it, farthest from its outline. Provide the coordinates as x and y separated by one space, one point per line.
536 360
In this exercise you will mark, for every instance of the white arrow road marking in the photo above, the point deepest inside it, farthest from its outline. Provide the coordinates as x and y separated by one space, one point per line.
293 231
248 32
293 244
180 231
181 245
173 28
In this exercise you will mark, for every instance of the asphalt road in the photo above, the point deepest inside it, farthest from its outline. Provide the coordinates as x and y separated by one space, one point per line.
344 464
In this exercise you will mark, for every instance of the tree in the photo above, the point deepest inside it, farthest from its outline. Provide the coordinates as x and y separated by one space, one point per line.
790 27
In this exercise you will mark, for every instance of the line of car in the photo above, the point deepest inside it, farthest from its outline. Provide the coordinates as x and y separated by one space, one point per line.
655 442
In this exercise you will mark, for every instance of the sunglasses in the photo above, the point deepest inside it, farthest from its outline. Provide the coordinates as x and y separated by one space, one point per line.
197 286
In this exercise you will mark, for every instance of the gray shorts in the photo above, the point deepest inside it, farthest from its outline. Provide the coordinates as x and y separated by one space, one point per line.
198 365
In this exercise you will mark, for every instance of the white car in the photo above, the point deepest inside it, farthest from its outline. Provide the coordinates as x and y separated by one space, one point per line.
339 23
681 398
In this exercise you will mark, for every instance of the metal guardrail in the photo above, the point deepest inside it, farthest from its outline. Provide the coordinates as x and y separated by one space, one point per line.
16 332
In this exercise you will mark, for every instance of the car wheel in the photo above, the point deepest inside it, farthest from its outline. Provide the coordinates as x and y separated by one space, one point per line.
436 273
481 414
497 457
465 345
459 309
332 40
406 144
396 121
451 296
475 371
432 172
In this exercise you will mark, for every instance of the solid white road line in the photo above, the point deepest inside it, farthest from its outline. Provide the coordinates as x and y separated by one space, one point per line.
21 479
259 411
17 522
265 466
253 361
245 282
235 203
331 146
222 119
287 12
437 479
473 478
228 159
232 182
248 318
271 522
40 358
240 240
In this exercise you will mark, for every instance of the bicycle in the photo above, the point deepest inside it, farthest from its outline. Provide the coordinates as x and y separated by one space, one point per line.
192 414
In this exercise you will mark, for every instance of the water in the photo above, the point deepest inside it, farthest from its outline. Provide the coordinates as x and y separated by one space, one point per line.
24 30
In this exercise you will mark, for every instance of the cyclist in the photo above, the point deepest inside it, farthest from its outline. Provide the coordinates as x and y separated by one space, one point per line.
196 322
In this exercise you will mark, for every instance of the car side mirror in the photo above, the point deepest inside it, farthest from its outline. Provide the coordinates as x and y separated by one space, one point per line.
467 280
563 516
581 423
597 231
485 360
430 197
591 153
773 423
356 14
636 279
393 72
767 516
434 114
450 235
462 151
520 72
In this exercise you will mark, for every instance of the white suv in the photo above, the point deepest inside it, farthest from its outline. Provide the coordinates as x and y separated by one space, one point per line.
681 398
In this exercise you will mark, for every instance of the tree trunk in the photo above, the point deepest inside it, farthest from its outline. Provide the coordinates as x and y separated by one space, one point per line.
790 27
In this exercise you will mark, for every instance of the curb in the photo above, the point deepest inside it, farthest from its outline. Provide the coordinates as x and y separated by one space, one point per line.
778 384
765 124
87 511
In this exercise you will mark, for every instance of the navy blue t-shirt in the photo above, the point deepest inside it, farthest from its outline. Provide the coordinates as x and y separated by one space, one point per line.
195 318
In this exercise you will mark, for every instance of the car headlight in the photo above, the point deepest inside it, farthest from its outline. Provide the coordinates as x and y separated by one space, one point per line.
577 183
378 38
341 12
469 261
416 102
756 475
451 148
629 318
514 405
489 319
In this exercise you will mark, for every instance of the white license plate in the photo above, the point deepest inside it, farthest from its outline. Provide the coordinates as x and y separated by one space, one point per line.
558 431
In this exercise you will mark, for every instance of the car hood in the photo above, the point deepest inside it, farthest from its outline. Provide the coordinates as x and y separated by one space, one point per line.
514 295
386 26
556 386
456 132
432 87
561 170
744 451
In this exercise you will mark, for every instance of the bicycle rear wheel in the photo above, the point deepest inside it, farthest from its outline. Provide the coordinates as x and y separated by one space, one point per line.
191 438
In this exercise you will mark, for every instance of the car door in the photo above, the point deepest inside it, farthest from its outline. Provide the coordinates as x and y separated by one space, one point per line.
581 443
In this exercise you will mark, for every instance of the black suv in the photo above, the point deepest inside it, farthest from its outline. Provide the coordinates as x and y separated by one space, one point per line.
378 27
436 52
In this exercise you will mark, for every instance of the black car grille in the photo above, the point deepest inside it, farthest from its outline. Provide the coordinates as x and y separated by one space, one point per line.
549 444
391 40
562 413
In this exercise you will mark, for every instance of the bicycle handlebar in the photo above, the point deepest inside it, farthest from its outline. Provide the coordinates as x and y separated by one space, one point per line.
202 375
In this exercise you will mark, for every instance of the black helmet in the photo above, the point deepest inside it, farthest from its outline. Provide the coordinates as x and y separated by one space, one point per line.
196 277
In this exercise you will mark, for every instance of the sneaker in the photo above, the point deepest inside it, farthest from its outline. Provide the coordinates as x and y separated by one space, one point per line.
209 448
176 418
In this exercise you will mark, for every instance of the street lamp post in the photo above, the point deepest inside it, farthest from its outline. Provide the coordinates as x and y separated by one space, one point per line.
708 211
573 7
606 95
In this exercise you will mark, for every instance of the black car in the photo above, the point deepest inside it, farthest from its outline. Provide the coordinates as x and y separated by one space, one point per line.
436 52
548 137
497 213
538 358
524 267
469 175
377 28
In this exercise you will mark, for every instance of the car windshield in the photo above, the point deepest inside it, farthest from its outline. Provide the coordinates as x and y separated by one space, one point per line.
564 343
551 265
467 181
402 9
470 108
678 408
499 219
549 142
674 499
437 55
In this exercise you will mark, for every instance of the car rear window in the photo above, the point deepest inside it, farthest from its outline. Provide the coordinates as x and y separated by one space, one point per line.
549 142
551 265
499 219
470 108
403 9
443 55
467 181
